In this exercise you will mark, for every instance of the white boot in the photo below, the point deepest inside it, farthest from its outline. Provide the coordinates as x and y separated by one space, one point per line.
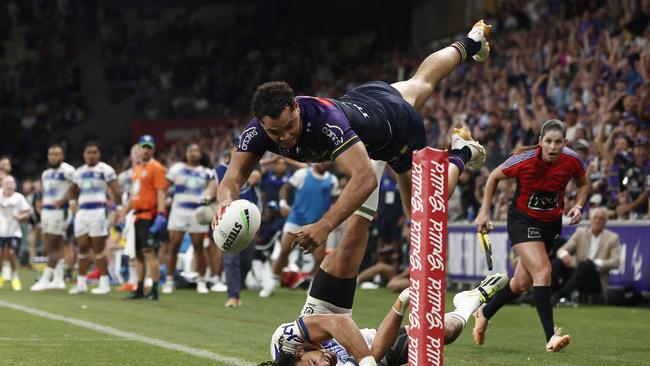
104 286
201 286
44 281
81 286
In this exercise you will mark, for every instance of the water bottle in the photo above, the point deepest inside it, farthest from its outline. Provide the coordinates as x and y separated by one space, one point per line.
471 215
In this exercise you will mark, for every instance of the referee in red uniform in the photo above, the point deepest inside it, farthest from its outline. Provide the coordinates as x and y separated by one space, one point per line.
534 222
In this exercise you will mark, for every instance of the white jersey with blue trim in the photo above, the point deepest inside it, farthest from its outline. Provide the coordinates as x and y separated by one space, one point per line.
290 337
56 182
124 181
190 184
93 185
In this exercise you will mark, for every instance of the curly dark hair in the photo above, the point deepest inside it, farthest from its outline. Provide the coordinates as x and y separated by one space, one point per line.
285 359
271 98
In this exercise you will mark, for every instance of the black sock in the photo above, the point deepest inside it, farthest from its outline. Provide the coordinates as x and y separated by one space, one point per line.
542 297
502 298
140 288
154 287
464 154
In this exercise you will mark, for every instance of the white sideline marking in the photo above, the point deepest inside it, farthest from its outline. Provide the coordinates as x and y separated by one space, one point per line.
128 335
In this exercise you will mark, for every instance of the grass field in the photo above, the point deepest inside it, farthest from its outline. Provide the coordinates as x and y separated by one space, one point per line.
601 335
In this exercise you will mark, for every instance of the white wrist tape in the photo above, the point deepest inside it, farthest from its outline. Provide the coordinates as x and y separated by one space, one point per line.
368 361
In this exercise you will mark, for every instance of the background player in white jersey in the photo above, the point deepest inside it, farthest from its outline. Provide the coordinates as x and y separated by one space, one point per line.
93 183
13 209
54 217
190 180
330 337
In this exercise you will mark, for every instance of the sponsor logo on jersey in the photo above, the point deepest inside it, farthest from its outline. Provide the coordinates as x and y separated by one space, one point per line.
543 201
328 130
248 135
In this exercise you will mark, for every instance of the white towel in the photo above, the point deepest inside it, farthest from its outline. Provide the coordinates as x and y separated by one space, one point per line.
129 234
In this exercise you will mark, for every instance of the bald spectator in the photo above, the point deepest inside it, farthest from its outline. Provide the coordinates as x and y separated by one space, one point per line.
584 262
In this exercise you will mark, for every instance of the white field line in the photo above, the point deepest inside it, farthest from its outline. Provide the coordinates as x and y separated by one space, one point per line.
128 335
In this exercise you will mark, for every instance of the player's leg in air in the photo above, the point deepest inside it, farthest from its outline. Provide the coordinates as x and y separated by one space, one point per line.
464 150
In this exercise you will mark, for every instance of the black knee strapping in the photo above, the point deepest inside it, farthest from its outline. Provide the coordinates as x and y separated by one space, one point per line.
334 290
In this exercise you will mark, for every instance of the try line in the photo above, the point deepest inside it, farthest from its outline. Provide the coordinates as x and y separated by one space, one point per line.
128 335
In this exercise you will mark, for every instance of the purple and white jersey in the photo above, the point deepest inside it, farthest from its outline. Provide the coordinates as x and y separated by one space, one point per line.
374 113
326 133
289 337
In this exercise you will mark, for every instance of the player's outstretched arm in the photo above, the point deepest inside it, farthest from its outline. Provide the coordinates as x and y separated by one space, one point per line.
483 218
239 170
340 327
356 164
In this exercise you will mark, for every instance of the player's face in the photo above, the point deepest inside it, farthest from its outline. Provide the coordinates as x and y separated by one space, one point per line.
54 156
317 358
91 155
284 130
552 143
193 154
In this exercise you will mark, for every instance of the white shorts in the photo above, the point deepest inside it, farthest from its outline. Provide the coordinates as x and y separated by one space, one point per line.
319 307
91 222
185 221
290 226
54 222
369 208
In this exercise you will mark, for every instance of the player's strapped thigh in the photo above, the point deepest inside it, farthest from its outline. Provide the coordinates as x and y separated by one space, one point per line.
369 208
330 295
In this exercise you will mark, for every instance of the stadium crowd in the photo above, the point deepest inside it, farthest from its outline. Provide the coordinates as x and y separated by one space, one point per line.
586 63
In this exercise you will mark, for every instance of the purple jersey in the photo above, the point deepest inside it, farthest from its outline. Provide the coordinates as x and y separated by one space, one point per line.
326 133
374 113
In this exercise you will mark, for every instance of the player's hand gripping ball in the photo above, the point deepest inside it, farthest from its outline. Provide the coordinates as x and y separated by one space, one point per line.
237 227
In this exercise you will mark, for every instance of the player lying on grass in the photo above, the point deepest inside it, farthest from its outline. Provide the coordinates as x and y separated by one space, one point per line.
331 337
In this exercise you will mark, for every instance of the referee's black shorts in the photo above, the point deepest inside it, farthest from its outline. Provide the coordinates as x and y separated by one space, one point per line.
522 228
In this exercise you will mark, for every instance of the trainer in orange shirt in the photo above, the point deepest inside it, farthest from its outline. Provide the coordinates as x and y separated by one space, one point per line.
148 193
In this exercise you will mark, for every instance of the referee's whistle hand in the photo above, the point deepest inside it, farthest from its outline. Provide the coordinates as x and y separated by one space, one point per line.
483 224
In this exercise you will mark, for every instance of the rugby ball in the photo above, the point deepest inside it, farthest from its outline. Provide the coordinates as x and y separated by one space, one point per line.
237 227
